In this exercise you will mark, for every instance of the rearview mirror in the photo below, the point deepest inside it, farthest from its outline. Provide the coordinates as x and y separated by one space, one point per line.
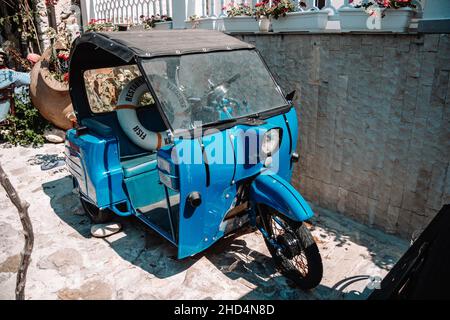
290 96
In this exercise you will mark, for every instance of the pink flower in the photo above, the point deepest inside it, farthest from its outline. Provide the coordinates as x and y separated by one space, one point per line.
33 57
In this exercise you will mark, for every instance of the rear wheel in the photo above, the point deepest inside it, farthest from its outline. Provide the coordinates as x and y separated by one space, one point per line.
292 247
95 214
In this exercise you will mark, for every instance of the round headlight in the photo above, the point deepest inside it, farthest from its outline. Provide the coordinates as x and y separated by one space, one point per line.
271 141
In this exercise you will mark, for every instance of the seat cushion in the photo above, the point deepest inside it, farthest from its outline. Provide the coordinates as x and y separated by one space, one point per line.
149 118
139 165
97 127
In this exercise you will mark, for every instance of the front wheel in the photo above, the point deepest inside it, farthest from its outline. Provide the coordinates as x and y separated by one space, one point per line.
292 247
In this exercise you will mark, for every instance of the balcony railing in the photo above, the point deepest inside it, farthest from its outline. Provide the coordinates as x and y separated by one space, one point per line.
124 11
130 11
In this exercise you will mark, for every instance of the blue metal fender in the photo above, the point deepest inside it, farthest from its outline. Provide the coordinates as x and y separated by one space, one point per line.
274 191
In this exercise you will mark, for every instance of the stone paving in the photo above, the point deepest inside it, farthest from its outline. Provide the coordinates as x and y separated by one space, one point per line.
67 263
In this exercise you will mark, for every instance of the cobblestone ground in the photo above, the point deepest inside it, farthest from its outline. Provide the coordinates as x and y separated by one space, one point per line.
67 263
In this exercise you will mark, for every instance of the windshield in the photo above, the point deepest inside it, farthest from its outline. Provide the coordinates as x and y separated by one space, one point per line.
199 89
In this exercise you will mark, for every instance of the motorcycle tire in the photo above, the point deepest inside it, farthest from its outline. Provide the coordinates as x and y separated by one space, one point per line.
300 260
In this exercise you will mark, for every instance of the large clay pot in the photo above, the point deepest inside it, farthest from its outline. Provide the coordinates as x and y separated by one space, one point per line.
49 96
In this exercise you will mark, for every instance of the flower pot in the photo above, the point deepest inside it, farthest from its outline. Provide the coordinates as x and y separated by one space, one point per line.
240 24
49 96
301 21
264 24
137 27
188 24
166 25
202 23
356 19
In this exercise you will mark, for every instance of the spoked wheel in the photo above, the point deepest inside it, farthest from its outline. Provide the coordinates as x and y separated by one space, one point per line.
292 247
95 214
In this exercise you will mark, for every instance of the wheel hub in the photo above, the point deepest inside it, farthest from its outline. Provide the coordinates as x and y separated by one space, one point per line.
290 244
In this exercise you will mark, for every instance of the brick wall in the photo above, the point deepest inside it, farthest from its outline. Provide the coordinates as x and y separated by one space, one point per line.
374 115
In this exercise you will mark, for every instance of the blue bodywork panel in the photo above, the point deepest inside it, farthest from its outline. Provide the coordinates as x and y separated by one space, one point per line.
217 183
94 161
145 189
199 227
272 190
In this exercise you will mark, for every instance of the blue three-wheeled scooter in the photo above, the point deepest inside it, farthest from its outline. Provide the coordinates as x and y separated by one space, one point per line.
188 131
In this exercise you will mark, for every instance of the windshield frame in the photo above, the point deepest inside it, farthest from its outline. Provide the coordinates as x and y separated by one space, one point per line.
272 111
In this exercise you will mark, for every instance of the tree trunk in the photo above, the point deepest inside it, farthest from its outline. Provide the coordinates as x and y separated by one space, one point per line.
25 255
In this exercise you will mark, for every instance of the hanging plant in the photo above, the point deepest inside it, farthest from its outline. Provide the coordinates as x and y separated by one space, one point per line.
58 62
23 19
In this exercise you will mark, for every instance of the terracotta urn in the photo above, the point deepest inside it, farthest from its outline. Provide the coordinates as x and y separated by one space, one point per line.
50 96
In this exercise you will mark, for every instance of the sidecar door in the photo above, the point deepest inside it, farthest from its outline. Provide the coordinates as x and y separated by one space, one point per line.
200 224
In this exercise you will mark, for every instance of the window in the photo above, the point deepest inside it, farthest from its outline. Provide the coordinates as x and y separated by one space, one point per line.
103 87
199 89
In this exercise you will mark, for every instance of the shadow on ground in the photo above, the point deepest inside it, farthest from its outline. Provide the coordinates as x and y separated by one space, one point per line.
384 249
146 249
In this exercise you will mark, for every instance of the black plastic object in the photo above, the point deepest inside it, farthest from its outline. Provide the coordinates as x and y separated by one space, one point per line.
290 96
195 199
295 157
423 271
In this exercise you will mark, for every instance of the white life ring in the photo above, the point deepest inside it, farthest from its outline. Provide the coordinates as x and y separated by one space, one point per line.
126 114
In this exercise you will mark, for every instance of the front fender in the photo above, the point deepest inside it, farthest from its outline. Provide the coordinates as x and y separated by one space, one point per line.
275 192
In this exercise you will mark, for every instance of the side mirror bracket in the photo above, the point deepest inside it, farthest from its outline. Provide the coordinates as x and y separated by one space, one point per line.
290 96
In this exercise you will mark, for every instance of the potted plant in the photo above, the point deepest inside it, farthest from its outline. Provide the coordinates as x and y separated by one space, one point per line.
49 87
158 22
240 18
286 18
262 14
196 22
192 22
100 25
377 15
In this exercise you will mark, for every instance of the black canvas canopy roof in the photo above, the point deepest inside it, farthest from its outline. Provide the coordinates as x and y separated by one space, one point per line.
146 44
94 50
